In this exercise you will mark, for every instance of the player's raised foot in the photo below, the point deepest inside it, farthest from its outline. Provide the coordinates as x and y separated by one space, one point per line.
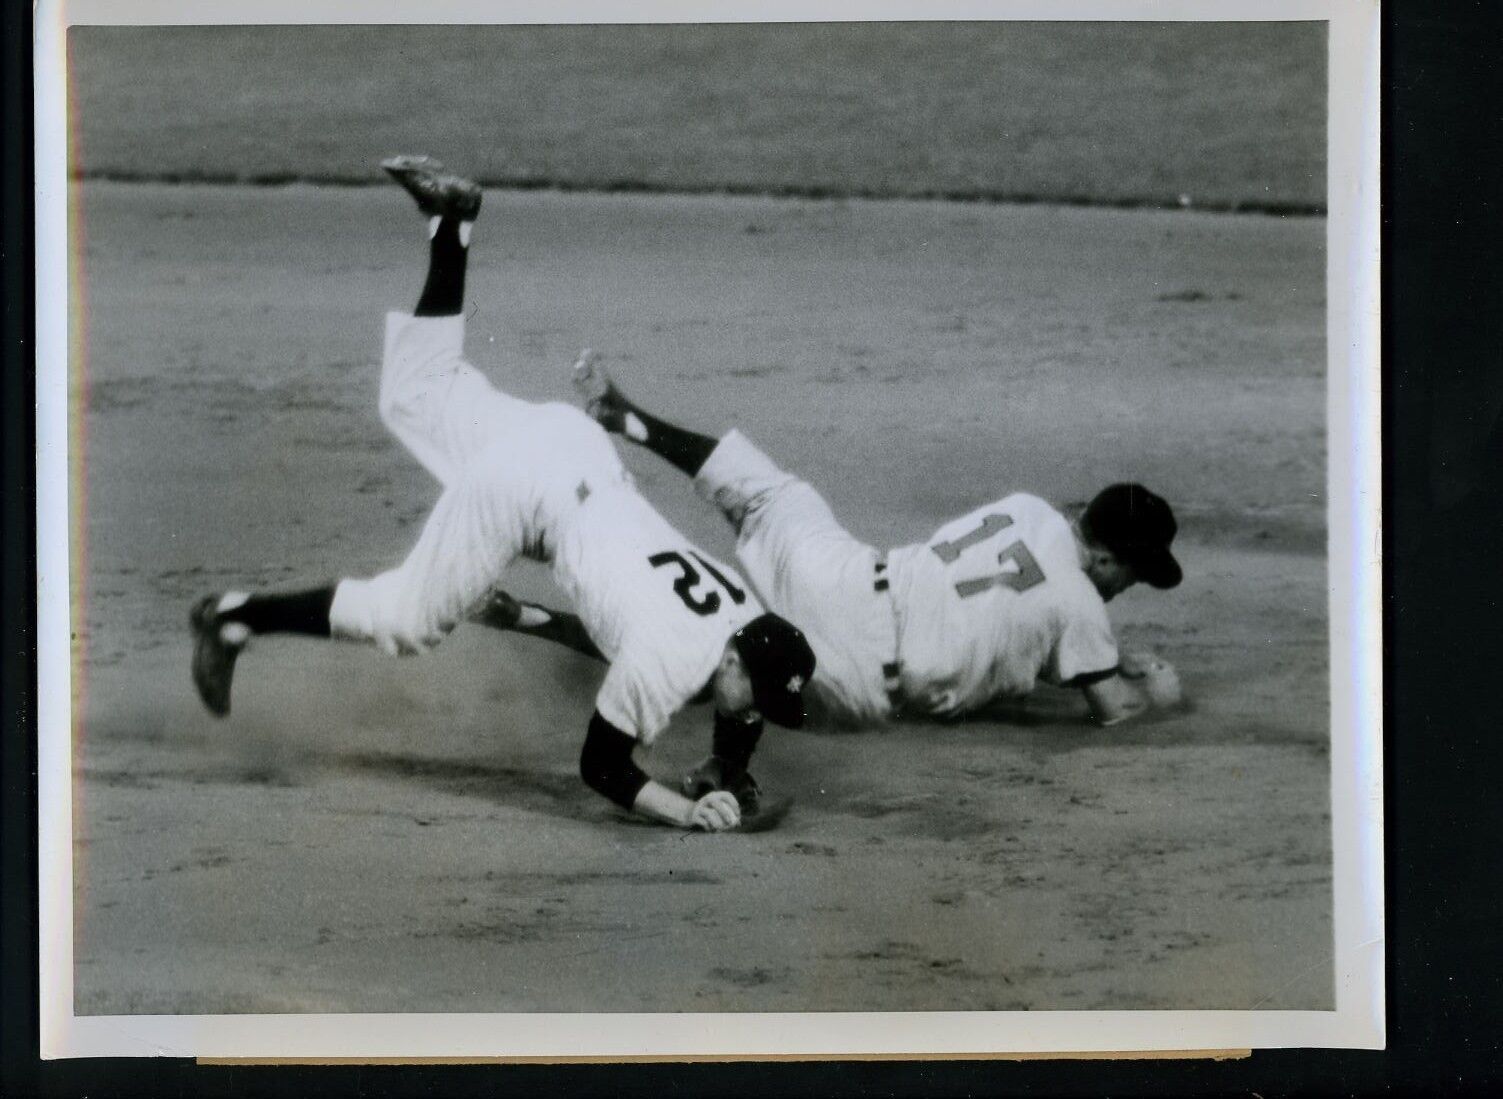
216 644
437 191
603 402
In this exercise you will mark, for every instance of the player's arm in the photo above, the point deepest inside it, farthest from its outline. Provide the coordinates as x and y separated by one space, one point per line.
1113 699
501 611
607 766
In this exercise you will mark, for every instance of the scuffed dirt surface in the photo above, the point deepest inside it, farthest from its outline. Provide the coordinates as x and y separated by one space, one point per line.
366 834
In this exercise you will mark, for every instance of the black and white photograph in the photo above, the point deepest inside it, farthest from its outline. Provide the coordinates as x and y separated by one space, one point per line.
776 520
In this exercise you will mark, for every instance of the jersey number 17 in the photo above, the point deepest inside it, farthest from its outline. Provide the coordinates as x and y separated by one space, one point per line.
1026 575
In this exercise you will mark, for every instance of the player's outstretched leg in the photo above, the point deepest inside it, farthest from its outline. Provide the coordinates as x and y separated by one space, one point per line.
223 624
452 203
612 410
503 611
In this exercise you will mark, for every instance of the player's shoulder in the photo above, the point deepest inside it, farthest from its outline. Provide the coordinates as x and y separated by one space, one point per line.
1022 504
1043 527
1021 508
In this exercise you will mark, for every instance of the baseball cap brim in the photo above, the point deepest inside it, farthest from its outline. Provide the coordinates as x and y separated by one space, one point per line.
779 705
1157 567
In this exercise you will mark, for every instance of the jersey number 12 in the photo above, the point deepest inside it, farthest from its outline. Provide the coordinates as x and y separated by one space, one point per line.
688 578
1027 575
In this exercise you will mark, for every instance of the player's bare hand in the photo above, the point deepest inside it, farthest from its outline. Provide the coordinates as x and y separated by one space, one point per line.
1156 676
716 812
1161 682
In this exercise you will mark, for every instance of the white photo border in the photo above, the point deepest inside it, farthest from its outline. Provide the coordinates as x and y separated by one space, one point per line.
1354 563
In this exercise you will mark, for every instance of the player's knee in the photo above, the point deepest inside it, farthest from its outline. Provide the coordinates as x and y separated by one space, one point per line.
390 405
775 496
409 399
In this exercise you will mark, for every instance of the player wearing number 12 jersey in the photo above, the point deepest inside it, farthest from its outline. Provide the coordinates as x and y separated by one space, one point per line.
541 481
992 603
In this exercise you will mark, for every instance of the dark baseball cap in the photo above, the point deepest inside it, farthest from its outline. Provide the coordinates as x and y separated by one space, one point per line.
1137 526
779 662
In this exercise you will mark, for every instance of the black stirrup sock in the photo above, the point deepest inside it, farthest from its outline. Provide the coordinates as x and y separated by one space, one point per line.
289 612
443 293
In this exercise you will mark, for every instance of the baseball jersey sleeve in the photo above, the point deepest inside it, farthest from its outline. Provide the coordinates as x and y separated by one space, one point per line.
1085 647
637 700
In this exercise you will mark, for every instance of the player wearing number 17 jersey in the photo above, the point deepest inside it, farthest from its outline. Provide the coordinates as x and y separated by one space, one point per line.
541 481
988 606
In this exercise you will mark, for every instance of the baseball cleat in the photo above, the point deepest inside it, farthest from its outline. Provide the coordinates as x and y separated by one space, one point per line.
500 611
603 402
216 644
591 381
437 191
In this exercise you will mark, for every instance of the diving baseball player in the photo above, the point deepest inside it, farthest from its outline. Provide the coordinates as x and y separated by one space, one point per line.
541 481
989 605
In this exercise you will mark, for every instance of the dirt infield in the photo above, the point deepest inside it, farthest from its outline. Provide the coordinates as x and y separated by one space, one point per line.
366 834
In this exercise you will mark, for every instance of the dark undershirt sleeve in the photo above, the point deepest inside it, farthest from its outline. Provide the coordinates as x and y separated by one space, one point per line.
1087 678
734 742
606 765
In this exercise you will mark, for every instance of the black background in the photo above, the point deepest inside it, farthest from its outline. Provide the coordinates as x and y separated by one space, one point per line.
1443 337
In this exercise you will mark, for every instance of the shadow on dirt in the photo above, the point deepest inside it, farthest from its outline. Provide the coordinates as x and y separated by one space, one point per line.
557 793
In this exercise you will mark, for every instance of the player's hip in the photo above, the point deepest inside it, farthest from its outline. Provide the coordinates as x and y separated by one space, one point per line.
852 628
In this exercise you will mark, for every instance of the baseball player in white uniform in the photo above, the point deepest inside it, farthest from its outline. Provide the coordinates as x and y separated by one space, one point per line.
541 481
985 608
